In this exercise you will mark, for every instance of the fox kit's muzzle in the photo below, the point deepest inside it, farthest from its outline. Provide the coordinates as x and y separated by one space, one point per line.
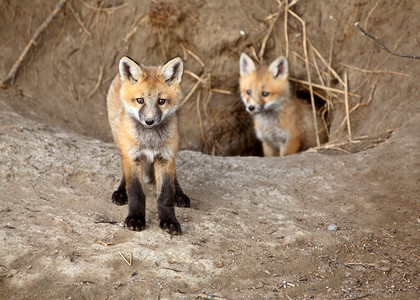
150 115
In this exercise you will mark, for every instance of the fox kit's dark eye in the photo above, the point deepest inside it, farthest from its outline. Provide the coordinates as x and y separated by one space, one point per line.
265 94
140 100
161 101
248 92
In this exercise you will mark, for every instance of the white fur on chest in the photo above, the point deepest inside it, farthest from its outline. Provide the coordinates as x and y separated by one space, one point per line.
137 153
152 143
268 131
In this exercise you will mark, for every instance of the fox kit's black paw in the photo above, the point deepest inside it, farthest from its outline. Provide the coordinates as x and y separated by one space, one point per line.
119 197
181 200
172 228
135 223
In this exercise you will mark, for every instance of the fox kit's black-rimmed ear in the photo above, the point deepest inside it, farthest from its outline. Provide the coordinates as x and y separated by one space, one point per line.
129 69
172 71
246 65
279 68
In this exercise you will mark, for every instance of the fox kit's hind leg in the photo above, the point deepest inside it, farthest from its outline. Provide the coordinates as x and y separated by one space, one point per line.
181 199
165 184
269 150
148 172
119 197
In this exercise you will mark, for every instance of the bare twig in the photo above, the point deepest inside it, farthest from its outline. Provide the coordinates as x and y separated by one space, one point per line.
105 243
254 53
30 23
267 35
308 73
346 101
172 269
326 88
100 9
137 23
191 92
383 46
375 71
196 57
193 75
205 296
162 48
64 222
128 262
371 12
32 42
328 66
286 35
79 20
203 134
380 64
184 50
220 91
315 63
98 83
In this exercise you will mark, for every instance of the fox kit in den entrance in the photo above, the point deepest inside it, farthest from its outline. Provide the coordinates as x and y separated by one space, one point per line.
142 111
284 124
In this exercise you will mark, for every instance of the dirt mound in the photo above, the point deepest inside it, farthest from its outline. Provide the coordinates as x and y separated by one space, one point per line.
304 226
66 76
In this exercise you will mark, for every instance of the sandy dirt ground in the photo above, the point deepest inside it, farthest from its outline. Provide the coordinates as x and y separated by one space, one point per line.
258 227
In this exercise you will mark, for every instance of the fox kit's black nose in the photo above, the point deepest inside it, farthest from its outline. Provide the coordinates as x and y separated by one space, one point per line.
251 107
149 122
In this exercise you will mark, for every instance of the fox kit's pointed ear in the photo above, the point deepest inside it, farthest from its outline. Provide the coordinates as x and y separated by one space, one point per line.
279 68
129 69
172 71
246 65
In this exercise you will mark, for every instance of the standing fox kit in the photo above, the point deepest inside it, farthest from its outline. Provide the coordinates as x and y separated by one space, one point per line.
142 111
284 124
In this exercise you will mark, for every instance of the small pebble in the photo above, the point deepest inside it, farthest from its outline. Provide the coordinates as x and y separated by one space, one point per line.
332 227
220 265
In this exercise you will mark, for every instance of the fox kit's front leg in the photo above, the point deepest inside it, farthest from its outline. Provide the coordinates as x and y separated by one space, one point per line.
290 147
136 219
120 197
269 150
165 184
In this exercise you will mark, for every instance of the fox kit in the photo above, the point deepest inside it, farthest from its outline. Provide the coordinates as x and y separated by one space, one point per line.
142 111
283 123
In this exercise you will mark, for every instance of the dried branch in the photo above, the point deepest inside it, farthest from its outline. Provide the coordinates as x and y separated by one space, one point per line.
308 73
371 12
286 35
326 88
32 42
375 71
191 92
123 257
382 45
346 101
76 16
98 83
107 10
139 21
267 35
